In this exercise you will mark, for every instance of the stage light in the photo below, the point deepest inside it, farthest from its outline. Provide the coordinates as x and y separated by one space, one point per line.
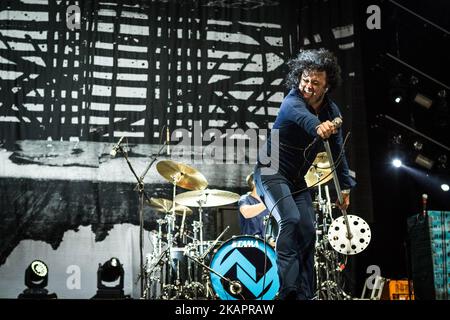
423 100
445 187
442 161
36 279
110 277
413 80
398 99
36 275
397 139
398 90
397 163
423 161
418 145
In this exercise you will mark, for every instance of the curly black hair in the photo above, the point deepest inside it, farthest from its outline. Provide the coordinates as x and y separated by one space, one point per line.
317 60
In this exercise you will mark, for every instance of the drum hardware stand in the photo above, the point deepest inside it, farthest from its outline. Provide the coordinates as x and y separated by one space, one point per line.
158 248
200 260
325 259
235 286
182 235
160 260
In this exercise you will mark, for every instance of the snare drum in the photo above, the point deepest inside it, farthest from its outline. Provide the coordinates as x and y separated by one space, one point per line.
242 259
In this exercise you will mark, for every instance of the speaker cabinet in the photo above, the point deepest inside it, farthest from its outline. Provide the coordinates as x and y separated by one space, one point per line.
429 239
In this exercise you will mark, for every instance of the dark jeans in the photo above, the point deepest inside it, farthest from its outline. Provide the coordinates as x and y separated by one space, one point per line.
296 238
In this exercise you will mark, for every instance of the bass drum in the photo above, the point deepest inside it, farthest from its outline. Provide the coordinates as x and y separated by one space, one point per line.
242 259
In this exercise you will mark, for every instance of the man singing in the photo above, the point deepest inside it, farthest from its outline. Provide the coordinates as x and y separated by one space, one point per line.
304 119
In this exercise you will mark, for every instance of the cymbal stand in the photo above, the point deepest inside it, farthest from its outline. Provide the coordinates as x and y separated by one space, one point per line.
200 222
158 246
171 218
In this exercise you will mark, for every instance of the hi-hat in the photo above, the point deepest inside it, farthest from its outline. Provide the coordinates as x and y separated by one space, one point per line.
206 198
165 206
182 175
320 171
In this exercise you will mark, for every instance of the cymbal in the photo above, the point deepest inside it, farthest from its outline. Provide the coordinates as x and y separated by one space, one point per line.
320 172
321 160
165 206
206 198
183 175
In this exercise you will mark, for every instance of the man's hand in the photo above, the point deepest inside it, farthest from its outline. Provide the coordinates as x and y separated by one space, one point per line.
346 201
326 129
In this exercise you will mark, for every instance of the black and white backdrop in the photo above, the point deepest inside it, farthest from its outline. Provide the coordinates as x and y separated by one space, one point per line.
133 68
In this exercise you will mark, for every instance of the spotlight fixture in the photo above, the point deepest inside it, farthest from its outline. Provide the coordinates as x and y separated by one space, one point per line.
445 187
418 146
110 280
397 139
398 90
36 279
398 98
413 80
423 100
423 161
442 160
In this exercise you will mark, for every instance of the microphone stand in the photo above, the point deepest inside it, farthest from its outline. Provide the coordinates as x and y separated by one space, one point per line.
142 194
337 186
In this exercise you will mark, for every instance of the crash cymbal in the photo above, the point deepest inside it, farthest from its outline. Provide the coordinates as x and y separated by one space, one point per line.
321 161
165 206
206 198
183 175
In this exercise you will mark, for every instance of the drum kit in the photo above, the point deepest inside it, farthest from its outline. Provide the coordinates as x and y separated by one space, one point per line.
183 265
180 265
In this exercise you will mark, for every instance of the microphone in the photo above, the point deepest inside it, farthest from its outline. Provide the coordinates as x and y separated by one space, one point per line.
337 124
116 147
168 140
424 204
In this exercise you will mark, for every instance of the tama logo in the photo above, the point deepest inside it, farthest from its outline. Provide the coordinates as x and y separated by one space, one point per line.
245 244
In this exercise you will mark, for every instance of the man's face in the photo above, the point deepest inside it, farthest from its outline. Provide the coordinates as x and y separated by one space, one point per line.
313 85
